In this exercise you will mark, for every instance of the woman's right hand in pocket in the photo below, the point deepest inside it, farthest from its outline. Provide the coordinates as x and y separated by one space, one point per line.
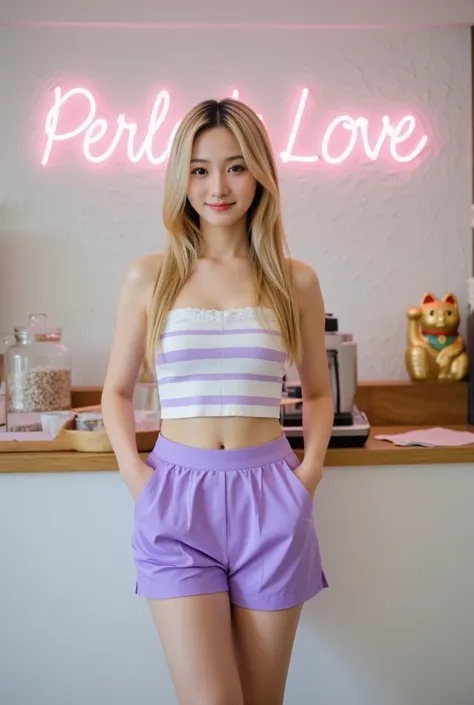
137 477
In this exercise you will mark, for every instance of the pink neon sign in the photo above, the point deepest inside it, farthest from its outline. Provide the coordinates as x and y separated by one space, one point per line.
93 131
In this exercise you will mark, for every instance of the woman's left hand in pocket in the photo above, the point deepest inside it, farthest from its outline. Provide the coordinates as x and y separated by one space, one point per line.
309 476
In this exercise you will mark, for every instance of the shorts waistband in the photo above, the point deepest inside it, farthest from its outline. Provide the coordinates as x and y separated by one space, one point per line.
217 459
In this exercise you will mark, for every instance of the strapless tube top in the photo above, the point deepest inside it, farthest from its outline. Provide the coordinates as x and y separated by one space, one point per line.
220 363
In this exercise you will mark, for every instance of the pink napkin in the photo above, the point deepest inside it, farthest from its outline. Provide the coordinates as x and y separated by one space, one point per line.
429 437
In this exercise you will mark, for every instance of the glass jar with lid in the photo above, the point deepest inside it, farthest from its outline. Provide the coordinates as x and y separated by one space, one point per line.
38 374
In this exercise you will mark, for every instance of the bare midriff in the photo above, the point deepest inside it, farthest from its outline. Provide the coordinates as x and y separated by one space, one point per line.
221 433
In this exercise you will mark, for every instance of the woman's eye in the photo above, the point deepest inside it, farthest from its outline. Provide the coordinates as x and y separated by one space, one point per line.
200 171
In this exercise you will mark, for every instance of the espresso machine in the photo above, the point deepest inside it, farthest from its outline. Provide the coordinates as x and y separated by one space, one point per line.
351 427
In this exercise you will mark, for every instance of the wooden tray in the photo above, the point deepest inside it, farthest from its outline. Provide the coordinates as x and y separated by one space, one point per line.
68 439
98 441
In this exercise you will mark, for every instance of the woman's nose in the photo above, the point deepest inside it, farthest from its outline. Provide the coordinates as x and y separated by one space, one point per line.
219 186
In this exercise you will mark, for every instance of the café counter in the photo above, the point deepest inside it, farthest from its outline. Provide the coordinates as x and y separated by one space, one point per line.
392 407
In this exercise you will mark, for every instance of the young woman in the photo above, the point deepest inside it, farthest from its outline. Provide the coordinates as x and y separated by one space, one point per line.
224 541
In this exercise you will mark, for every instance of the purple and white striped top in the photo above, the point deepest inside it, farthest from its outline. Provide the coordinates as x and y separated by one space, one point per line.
220 363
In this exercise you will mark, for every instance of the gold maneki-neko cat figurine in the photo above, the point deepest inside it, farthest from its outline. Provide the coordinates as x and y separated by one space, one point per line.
435 348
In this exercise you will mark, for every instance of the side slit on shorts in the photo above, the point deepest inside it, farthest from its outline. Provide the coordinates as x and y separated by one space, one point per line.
237 521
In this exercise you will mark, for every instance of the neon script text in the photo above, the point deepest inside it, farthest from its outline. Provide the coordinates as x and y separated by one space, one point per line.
339 139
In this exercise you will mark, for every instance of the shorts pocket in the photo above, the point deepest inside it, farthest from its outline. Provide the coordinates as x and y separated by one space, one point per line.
291 463
146 489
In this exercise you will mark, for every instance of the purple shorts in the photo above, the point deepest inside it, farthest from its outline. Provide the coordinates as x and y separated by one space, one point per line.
236 521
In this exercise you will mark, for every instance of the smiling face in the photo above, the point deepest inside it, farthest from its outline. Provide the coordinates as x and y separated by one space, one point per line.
221 189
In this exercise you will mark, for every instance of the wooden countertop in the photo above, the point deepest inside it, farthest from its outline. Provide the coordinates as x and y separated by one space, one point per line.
373 453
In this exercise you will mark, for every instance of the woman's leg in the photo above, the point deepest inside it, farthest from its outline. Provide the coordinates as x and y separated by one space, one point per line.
196 635
264 642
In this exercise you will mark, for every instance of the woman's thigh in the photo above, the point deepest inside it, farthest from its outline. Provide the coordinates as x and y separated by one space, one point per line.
263 644
196 634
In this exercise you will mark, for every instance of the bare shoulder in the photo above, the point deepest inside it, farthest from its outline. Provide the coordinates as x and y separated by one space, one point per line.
306 282
140 280
144 271
141 276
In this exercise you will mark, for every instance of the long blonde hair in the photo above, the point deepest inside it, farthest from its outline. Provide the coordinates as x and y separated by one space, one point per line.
271 273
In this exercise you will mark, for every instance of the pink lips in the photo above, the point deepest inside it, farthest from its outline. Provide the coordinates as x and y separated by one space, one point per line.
220 207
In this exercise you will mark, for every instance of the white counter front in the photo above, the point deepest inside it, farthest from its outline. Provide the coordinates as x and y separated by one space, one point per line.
396 626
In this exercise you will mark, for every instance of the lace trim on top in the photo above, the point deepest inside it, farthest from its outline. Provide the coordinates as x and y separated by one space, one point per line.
211 314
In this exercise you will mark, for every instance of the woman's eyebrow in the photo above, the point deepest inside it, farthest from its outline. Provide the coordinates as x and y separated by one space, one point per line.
207 161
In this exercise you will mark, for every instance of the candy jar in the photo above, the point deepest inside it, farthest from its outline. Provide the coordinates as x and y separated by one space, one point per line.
38 374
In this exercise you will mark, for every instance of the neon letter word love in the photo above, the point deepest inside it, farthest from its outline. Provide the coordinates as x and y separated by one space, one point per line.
93 130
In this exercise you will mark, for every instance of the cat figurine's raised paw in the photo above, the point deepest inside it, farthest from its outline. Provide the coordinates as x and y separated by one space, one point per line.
435 348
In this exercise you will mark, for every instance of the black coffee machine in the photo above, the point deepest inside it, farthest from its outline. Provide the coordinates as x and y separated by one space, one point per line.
351 427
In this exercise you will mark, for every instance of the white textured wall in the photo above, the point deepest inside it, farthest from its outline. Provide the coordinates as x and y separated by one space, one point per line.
379 235
338 12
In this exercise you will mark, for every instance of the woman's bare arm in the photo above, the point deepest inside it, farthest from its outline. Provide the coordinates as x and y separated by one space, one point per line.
126 356
318 404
